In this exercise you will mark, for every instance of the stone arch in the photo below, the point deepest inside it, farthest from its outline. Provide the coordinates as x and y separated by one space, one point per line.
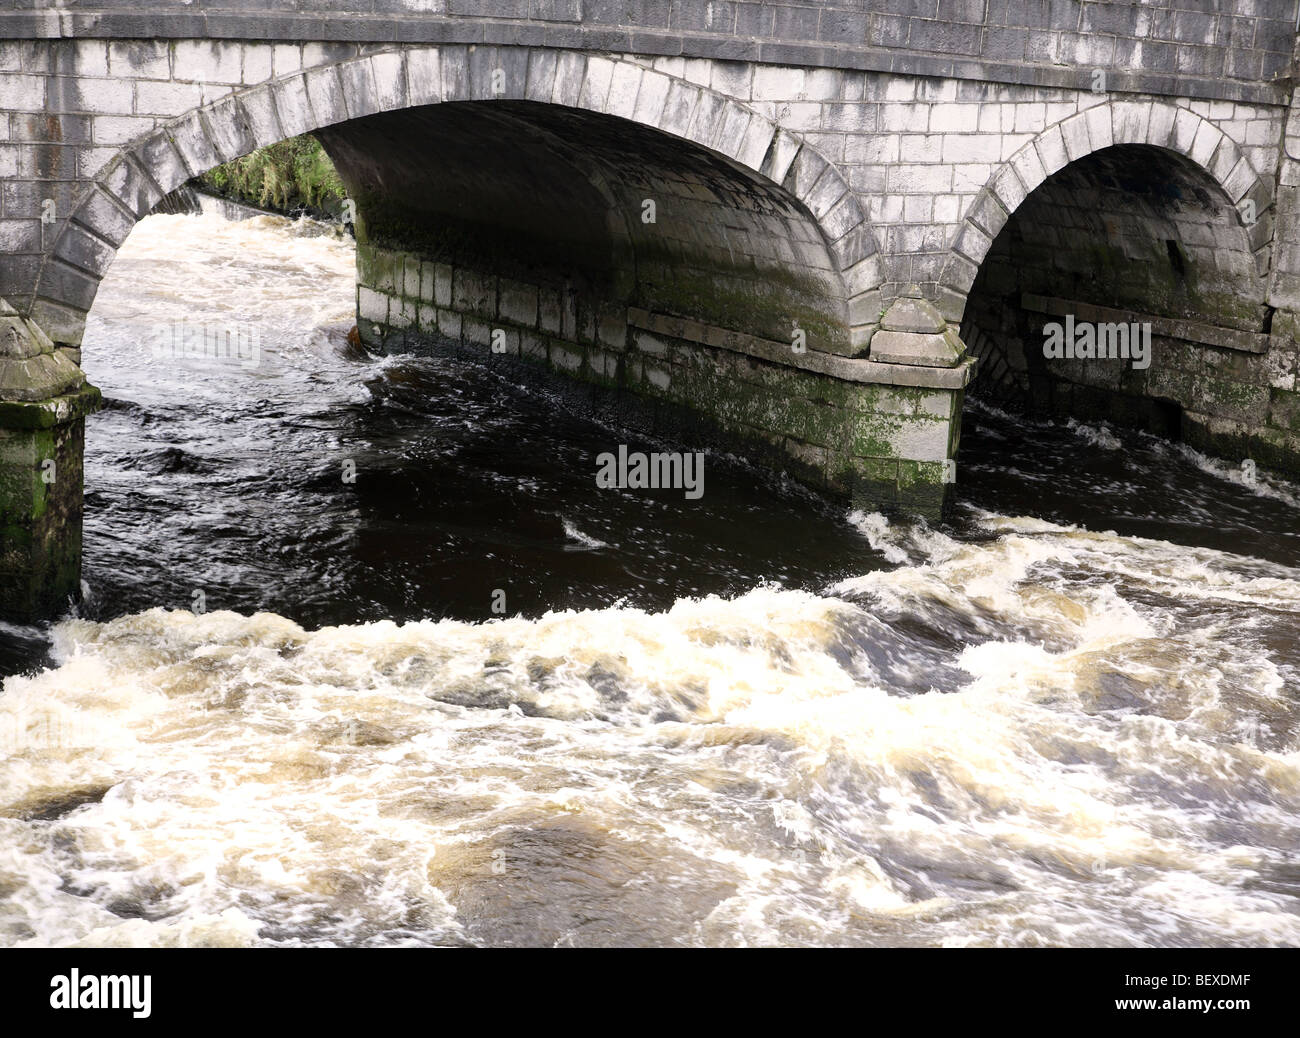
1154 123
388 80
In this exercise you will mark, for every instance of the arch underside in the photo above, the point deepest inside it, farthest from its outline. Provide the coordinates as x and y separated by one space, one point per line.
1124 238
746 202
611 212
650 248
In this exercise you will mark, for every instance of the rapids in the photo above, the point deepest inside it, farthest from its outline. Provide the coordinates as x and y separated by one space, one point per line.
285 713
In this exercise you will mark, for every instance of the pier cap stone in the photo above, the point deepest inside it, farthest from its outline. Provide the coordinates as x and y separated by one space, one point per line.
31 369
912 331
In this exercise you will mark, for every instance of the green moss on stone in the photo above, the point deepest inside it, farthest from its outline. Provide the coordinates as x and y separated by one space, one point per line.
288 176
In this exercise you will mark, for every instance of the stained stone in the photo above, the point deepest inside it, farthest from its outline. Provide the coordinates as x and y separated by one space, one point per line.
30 367
44 399
913 315
912 331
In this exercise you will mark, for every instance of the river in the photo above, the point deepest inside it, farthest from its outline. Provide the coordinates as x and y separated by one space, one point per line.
286 713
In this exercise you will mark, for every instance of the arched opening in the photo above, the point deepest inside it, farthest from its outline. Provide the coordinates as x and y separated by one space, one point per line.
1124 288
800 227
422 497
657 247
542 211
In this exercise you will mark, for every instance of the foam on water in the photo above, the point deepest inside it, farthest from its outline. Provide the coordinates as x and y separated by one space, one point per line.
727 771
1008 732
571 531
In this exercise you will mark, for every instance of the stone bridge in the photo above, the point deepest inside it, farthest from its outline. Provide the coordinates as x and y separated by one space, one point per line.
790 226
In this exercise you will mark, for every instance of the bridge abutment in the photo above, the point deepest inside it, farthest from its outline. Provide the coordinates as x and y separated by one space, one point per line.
44 400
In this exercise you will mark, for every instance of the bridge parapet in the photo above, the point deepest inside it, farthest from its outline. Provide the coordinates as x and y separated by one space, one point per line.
1227 49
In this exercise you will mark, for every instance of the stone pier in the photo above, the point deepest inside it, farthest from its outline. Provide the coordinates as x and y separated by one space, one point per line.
44 400
880 432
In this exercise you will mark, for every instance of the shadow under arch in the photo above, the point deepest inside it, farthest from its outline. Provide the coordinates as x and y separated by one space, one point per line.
412 78
1133 241
1162 126
593 214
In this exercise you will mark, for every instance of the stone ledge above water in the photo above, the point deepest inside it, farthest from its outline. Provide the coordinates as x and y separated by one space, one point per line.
1167 327
46 414
846 368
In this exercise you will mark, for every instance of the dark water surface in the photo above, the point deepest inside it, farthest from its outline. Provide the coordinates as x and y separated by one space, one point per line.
287 714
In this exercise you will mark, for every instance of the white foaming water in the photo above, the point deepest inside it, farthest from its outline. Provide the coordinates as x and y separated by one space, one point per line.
173 276
1097 434
724 772
572 532
1258 483
1045 736
875 527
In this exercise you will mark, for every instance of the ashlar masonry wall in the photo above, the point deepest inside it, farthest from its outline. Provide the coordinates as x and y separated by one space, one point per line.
831 422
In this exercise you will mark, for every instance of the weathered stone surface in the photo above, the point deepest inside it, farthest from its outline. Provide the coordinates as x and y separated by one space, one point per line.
911 313
875 434
912 331
937 351
40 503
31 369
43 402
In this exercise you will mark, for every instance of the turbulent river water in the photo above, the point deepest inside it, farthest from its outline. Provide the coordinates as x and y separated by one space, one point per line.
286 714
